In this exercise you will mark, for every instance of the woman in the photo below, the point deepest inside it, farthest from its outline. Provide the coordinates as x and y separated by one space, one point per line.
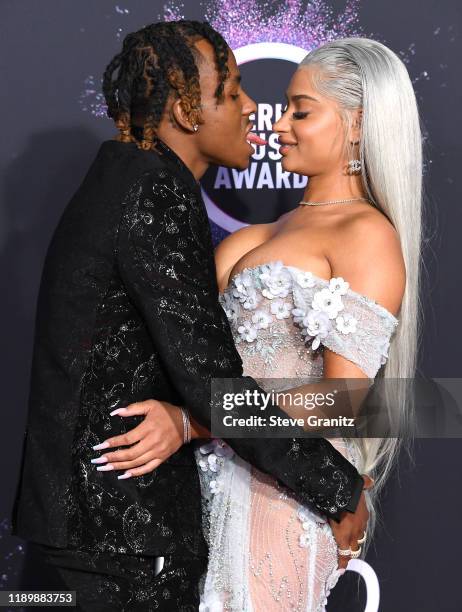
337 272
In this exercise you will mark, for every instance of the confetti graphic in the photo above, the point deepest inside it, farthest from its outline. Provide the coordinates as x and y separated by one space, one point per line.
92 99
302 23
243 22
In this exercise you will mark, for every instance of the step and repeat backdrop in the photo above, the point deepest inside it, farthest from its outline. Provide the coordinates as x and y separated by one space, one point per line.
53 120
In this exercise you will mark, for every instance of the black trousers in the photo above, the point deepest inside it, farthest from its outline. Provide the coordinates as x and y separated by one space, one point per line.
106 582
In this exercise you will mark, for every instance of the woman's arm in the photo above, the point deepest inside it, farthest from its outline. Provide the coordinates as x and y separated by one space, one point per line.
198 431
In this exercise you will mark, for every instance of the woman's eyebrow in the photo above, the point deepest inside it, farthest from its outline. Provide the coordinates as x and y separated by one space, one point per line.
303 97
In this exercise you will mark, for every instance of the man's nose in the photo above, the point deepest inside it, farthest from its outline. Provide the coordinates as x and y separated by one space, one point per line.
250 106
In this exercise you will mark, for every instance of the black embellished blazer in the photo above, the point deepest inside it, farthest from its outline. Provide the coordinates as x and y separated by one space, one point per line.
128 310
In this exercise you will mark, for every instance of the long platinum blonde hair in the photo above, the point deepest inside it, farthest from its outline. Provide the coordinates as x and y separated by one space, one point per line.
363 73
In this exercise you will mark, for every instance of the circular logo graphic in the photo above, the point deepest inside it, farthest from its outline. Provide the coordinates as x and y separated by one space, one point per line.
263 191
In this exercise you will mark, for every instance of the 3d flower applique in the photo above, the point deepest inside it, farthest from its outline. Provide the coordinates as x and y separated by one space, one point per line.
346 323
214 454
216 486
276 280
203 464
214 465
280 308
251 301
231 308
304 279
261 319
244 290
305 538
326 301
210 462
242 283
208 447
316 324
338 285
298 314
326 305
247 331
222 449
308 520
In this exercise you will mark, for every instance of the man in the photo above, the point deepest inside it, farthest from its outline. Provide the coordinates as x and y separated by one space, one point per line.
128 311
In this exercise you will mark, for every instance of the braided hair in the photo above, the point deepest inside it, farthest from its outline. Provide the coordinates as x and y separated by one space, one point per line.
156 60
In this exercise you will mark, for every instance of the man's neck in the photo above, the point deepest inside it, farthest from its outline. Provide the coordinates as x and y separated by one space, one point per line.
184 147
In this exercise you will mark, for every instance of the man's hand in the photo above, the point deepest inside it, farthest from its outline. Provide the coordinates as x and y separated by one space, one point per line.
352 526
151 442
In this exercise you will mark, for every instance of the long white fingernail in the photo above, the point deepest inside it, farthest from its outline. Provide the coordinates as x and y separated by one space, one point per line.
126 475
101 446
105 468
118 411
102 459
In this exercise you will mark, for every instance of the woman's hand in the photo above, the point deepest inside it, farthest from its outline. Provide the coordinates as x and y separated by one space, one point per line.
151 442
352 526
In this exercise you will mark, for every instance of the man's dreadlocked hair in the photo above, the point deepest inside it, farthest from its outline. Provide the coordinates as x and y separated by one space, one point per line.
154 61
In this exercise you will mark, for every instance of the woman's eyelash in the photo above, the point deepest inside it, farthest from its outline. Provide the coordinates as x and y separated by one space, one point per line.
299 115
235 96
296 114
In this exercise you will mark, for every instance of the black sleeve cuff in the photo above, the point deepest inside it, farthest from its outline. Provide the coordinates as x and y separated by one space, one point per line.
352 504
354 500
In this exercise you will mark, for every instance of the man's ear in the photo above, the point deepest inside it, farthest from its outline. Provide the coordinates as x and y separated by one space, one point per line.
184 121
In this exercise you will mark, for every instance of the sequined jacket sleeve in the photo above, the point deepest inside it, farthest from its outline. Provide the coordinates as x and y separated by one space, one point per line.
165 259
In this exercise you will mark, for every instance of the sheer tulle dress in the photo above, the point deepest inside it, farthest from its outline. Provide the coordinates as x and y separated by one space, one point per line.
266 551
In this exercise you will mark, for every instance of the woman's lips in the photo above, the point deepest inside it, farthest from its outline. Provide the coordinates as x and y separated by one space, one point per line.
284 148
254 139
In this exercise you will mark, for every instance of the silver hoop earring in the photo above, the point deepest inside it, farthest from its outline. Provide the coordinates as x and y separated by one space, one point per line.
354 166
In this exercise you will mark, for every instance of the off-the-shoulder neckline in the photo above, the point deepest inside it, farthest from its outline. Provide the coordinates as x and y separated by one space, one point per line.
318 278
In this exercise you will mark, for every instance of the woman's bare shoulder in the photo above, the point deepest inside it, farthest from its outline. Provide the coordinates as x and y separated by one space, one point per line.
366 249
370 232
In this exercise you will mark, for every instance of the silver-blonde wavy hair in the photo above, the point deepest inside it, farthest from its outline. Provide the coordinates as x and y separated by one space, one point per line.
363 73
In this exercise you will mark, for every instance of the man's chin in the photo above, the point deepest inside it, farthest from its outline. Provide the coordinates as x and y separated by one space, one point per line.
243 165
238 163
243 162
234 164
244 157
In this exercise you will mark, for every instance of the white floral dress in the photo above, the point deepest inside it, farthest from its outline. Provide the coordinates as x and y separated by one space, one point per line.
267 552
